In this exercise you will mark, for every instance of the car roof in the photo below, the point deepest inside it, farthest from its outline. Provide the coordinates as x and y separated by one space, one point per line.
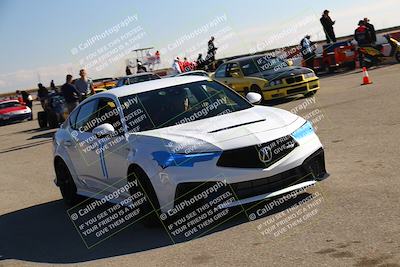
137 74
152 85
241 59
191 72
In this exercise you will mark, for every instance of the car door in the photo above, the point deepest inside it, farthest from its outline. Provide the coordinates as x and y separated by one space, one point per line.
85 152
114 148
236 81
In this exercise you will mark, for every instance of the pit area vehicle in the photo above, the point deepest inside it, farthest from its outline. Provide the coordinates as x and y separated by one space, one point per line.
194 73
104 83
137 78
12 110
54 111
269 76
336 56
374 55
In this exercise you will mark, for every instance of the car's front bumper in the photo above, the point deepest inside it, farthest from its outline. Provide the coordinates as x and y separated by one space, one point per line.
16 117
209 172
305 175
288 90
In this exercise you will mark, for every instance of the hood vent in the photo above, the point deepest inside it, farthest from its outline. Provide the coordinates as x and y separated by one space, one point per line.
234 126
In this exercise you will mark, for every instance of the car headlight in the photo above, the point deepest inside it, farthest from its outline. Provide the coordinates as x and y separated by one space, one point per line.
275 82
309 75
303 131
166 159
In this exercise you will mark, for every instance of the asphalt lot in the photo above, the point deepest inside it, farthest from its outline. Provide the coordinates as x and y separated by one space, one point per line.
356 223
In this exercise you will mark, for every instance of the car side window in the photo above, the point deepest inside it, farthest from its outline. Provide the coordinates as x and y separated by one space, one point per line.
108 113
72 118
86 119
220 72
230 67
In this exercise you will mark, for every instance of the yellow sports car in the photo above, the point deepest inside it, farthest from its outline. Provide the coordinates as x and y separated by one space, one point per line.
269 76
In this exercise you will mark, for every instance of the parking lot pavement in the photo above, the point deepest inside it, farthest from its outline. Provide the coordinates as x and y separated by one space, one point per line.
355 222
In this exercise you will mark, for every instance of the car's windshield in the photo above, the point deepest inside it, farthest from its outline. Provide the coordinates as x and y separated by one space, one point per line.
9 105
179 104
260 64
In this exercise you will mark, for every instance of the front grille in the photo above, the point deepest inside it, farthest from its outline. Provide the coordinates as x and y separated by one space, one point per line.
297 90
296 79
258 156
313 168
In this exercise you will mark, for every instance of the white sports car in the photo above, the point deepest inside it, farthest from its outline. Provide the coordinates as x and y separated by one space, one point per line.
173 134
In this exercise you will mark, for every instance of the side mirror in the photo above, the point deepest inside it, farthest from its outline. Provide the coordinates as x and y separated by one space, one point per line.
103 130
254 98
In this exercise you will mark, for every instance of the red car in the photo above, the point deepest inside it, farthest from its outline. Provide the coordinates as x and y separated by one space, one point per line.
13 110
335 56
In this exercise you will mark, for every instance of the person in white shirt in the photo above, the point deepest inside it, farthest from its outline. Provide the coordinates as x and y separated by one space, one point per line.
175 67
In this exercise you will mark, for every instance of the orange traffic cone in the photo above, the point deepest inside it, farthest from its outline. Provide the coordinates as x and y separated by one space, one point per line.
366 79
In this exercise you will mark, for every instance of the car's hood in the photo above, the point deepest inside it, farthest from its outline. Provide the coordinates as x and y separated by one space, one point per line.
280 73
242 128
12 110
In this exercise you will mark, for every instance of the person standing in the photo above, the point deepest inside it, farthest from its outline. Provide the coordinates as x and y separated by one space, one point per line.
70 94
211 50
327 24
84 85
27 99
362 34
176 69
363 37
140 68
128 71
42 94
308 51
200 62
186 65
371 29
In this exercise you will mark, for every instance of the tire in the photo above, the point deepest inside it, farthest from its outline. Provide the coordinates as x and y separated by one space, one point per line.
66 184
52 120
42 119
256 89
310 94
151 206
352 65
397 56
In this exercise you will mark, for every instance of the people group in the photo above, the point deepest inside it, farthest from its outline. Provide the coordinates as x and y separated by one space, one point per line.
201 63
365 35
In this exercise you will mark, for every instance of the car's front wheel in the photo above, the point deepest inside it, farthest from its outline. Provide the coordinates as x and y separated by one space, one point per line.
66 183
150 208
398 56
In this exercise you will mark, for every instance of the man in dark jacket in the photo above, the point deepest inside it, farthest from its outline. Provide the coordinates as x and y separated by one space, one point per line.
327 24
363 37
362 34
371 29
42 93
70 94
211 50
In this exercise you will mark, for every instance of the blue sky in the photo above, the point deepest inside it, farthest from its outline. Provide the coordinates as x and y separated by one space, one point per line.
37 36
